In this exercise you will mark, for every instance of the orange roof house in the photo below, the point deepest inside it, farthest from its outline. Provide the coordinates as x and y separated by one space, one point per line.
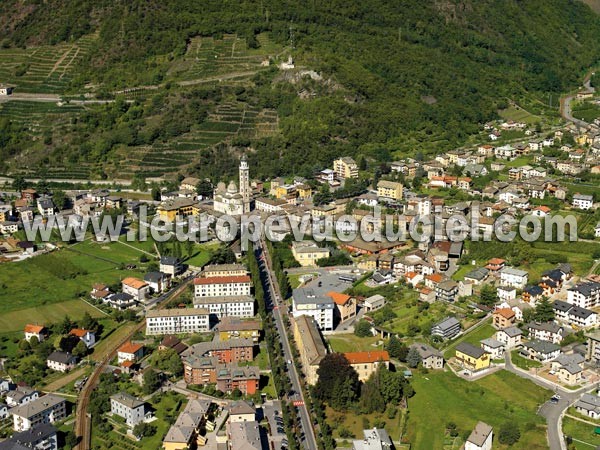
130 352
78 332
366 363
34 328
134 283
504 317
339 298
345 305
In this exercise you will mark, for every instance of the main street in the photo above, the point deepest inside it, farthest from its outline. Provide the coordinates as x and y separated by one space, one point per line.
275 304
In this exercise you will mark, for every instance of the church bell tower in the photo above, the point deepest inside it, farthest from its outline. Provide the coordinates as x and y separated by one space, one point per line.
245 183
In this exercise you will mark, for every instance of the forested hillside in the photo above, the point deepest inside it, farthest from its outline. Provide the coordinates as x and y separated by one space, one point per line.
399 77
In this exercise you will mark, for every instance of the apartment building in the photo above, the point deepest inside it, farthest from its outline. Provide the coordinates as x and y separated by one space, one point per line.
319 307
229 306
345 167
47 409
177 321
366 363
222 286
130 408
310 345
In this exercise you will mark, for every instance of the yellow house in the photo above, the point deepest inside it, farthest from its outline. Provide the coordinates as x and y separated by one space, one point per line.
178 208
304 191
310 346
234 328
366 363
471 357
308 253
389 189
345 167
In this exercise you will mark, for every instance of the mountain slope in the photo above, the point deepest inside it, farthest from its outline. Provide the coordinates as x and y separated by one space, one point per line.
410 76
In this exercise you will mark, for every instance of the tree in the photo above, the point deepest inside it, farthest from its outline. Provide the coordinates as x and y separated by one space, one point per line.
204 188
509 433
151 381
143 429
19 183
413 358
80 349
87 322
24 345
397 349
488 295
337 378
65 326
169 361
60 199
544 312
363 328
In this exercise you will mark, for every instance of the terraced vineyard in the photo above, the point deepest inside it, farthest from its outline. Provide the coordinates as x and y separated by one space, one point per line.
46 69
229 119
207 57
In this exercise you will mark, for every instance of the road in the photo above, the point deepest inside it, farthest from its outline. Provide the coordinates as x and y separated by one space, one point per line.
552 412
274 303
566 110
83 423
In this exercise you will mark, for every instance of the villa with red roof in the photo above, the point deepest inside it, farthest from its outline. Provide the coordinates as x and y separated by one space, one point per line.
130 352
38 331
366 363
86 336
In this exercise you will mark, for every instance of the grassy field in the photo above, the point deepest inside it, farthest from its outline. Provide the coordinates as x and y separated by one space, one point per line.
356 423
350 343
523 363
517 114
482 332
582 433
75 309
60 276
202 254
441 397
586 111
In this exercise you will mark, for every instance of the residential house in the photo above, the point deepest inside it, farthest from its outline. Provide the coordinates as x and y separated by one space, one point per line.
226 352
477 276
47 409
199 370
135 287
480 438
506 293
171 265
345 167
510 276
158 281
40 437
510 337
542 351
366 363
130 408
568 368
173 343
494 347
86 336
588 405
574 316
185 432
61 361
447 328
320 307
231 377
547 331
584 202
503 318
532 294
307 253
177 321
389 190
310 345
472 358
234 328
120 301
21 395
130 352
446 291
585 295
430 357
345 305
373 303
375 439
40 332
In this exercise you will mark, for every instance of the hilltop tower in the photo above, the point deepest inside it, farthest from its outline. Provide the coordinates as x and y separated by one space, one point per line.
245 183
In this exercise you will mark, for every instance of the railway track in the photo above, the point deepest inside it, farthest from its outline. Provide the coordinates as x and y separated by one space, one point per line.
83 421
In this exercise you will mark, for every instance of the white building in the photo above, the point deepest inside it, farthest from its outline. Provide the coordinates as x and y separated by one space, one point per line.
480 438
47 409
321 308
231 200
176 321
509 276
61 361
589 405
132 409
227 306
510 337
581 201
226 286
585 295
86 336
375 439
374 302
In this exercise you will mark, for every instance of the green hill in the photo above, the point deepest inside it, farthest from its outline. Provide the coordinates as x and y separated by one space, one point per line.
397 78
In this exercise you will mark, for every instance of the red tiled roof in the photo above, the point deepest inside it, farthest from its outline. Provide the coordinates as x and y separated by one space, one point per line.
507 313
135 283
339 298
78 332
223 280
34 328
367 357
130 347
